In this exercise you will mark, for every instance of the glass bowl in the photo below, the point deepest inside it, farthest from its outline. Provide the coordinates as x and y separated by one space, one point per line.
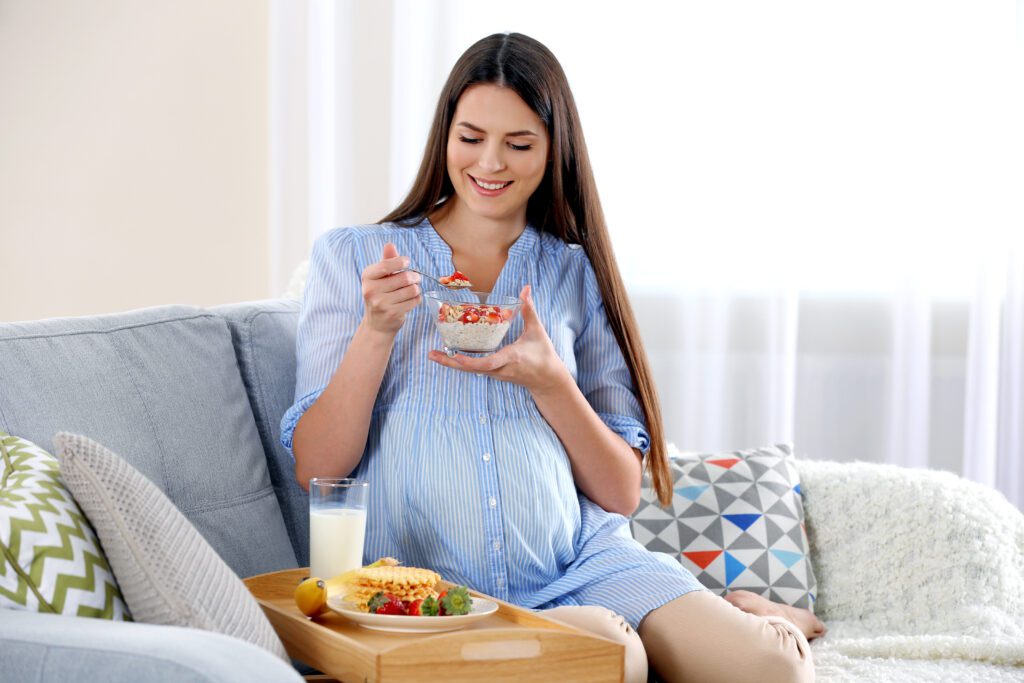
472 322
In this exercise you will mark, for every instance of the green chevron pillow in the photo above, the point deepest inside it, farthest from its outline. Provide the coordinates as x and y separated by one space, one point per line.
51 560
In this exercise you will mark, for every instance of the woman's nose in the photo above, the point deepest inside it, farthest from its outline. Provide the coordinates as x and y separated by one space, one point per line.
492 158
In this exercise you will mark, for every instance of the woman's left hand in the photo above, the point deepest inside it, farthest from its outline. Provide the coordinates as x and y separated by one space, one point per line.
530 361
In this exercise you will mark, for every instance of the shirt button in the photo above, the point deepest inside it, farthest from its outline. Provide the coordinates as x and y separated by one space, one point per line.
483 418
499 582
487 457
497 545
492 501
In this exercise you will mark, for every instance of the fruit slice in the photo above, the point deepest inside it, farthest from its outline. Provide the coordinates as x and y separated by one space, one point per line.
311 596
455 281
386 603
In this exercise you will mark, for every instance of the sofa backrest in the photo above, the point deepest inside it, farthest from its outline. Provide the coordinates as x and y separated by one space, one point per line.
162 388
263 333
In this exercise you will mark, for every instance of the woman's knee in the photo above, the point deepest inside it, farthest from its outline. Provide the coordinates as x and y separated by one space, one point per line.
789 657
607 624
700 637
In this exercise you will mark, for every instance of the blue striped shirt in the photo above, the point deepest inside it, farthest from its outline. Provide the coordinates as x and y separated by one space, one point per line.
467 478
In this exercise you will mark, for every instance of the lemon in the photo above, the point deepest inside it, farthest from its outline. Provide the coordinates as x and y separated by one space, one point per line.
311 596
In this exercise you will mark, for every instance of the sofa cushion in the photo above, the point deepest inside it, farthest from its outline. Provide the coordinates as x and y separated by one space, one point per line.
264 336
168 573
49 648
162 386
737 522
50 558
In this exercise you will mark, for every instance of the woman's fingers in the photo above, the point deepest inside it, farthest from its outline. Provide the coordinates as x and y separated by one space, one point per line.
393 283
385 267
486 364
531 321
389 295
400 295
389 262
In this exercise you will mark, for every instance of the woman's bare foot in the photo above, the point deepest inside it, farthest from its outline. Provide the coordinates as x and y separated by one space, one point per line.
753 603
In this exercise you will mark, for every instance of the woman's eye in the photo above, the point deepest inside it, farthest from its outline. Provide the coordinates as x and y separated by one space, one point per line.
471 141
520 148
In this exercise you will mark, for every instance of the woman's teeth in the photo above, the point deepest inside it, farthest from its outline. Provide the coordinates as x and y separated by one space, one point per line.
491 186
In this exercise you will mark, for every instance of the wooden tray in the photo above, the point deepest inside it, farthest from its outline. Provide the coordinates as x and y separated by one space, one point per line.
512 645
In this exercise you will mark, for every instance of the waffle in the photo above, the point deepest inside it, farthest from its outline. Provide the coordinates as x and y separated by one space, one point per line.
405 583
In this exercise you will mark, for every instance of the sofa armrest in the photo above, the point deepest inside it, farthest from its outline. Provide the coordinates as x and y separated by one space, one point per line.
48 648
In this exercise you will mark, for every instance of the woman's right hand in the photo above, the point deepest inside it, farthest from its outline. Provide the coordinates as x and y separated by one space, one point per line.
387 296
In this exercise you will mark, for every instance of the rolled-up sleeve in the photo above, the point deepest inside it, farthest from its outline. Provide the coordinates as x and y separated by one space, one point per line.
601 370
332 306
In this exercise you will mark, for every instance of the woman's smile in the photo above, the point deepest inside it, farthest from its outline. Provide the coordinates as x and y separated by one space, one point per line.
489 188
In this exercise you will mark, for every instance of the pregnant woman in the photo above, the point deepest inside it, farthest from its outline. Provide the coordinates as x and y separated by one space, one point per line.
513 472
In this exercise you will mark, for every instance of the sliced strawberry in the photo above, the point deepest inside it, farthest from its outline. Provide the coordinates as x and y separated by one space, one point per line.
493 318
470 317
413 608
440 607
392 605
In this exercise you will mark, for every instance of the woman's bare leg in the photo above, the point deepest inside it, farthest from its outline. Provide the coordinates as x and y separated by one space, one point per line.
701 638
607 624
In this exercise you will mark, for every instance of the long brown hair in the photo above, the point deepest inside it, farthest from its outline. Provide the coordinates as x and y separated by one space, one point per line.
565 204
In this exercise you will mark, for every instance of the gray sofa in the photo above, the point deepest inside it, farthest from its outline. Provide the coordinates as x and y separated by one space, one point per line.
192 398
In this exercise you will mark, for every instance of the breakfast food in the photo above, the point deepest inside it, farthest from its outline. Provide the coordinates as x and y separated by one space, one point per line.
385 588
312 593
397 584
455 281
450 603
473 328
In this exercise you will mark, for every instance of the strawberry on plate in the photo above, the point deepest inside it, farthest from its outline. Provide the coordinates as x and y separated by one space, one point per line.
385 603
454 602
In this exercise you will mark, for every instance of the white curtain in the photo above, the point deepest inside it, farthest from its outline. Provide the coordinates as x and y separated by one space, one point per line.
817 207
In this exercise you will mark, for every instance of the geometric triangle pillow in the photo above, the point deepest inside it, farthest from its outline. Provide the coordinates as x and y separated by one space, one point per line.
50 558
736 522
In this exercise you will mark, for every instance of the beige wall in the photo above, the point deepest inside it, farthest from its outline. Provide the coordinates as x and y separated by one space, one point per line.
133 154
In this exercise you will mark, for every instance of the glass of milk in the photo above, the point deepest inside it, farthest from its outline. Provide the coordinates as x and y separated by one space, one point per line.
337 525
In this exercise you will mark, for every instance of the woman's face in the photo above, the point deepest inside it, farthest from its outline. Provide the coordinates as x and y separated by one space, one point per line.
497 152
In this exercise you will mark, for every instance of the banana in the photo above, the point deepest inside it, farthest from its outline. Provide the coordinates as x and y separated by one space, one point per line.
311 595
338 585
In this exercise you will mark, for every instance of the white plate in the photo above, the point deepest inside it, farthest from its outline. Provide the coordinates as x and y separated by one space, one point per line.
407 624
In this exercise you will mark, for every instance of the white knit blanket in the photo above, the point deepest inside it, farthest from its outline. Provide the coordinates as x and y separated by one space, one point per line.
920 575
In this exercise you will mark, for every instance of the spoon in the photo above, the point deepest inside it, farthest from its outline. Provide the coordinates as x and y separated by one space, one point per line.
431 277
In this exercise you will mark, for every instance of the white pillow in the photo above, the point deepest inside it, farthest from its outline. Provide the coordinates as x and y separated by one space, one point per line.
168 573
